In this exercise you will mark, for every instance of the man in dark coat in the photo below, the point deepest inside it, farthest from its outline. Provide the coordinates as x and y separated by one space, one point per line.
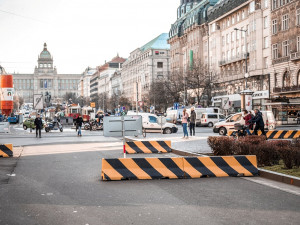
192 122
38 122
79 122
259 122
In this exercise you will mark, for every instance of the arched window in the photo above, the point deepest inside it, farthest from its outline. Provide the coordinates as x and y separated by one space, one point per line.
286 79
298 79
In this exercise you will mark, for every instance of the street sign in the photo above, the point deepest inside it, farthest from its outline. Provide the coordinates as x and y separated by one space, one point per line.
176 105
38 101
141 103
112 126
93 104
225 103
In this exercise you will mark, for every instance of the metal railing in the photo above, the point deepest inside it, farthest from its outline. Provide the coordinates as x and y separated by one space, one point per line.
286 89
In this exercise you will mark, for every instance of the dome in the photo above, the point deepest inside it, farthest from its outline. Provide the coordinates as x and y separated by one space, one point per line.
45 54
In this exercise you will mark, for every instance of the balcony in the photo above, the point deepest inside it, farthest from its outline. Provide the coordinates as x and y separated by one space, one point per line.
230 78
295 56
232 60
286 89
281 60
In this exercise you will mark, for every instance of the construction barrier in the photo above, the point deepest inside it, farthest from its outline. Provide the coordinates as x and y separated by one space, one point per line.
275 134
134 147
176 168
6 150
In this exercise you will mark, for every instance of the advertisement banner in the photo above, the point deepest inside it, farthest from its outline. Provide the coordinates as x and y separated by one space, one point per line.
8 94
248 102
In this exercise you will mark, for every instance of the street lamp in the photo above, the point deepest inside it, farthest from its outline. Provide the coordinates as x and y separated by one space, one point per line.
246 94
184 82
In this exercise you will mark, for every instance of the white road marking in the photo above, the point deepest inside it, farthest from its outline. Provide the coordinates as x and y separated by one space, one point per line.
275 184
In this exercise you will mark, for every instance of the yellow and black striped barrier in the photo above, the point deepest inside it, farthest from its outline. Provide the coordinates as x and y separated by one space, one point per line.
275 134
134 147
178 168
6 150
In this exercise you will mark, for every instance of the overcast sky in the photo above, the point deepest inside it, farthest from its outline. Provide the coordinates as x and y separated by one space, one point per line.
79 33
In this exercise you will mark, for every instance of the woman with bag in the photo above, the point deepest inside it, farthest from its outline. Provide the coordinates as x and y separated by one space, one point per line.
184 121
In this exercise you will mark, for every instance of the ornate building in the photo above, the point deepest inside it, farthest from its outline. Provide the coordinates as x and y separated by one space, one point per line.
45 79
285 69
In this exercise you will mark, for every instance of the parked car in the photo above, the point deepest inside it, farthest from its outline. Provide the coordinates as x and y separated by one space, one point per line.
151 124
29 123
223 127
209 119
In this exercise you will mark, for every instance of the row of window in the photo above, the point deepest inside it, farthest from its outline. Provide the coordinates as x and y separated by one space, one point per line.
45 65
285 48
278 3
285 22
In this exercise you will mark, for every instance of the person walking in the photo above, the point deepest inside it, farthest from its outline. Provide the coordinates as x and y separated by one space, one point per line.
192 122
38 122
247 117
79 122
184 121
298 117
259 122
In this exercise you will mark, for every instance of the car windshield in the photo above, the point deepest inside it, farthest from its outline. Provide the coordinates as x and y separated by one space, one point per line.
235 118
152 119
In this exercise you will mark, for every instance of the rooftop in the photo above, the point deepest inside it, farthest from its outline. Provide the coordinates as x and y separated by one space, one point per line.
160 42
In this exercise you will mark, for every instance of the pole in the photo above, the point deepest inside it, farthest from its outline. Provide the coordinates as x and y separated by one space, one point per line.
246 58
137 98
161 125
123 135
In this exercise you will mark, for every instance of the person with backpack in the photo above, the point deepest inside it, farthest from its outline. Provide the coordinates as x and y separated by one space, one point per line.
247 117
259 122
79 122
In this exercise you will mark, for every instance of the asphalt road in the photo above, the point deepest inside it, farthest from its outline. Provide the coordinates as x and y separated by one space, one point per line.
61 185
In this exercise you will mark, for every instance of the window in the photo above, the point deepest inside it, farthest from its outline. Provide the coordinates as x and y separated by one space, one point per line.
298 43
152 119
156 52
252 6
275 51
266 2
223 56
232 20
160 65
223 40
285 48
298 17
266 42
227 38
228 55
238 17
228 22
274 5
265 62
285 22
266 24
232 36
212 116
286 79
243 14
237 35
237 51
274 27
232 53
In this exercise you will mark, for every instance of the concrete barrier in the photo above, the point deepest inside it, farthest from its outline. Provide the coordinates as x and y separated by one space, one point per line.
134 147
6 150
177 168
275 134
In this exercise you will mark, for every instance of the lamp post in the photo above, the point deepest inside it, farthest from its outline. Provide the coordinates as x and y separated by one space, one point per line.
246 100
184 83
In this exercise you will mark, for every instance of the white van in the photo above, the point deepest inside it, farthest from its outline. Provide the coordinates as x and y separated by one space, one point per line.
151 123
223 127
209 119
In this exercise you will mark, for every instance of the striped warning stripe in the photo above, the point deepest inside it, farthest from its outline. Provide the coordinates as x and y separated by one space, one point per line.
275 134
177 168
148 147
6 150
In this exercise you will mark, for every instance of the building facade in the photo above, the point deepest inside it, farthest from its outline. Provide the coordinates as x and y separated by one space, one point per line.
285 69
84 83
45 80
144 66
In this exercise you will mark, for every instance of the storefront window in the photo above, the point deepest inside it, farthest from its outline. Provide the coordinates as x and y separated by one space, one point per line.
286 79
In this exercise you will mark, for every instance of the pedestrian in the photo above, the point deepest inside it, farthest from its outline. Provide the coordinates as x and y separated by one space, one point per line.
247 117
38 122
192 122
79 122
259 122
184 120
298 117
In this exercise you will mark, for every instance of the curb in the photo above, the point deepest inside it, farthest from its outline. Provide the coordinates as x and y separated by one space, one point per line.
287 179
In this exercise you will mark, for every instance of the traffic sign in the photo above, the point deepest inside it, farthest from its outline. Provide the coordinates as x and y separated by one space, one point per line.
38 101
93 104
141 103
176 105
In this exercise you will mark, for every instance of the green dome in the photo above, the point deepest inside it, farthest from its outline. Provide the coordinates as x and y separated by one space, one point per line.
45 54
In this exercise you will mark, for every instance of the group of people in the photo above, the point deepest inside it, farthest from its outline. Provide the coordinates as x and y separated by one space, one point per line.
185 119
256 119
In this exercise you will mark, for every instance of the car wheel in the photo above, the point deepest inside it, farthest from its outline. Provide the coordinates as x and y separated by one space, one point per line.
167 131
271 127
222 131
87 127
210 124
47 130
24 127
61 129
